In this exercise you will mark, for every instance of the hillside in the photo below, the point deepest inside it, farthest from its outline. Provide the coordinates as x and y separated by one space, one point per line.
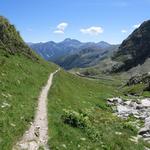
135 50
22 74
86 57
80 118
11 42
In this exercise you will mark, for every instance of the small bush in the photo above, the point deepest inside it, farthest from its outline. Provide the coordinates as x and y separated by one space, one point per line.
75 119
81 120
130 126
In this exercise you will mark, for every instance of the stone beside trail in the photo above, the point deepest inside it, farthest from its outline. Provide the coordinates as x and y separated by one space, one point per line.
140 109
37 135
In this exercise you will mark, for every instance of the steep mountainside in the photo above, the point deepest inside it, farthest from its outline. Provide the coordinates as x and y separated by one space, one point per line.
135 50
22 74
86 57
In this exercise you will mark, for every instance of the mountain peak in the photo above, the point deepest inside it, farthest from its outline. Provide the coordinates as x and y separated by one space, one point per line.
68 40
145 23
71 42
103 42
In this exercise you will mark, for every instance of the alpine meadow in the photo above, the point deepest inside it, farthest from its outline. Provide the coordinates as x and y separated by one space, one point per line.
75 75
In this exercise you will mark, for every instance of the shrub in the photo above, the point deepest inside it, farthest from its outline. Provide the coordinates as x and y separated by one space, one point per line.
81 120
130 126
75 119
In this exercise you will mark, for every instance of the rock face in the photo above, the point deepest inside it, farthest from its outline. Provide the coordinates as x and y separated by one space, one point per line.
144 78
135 49
139 109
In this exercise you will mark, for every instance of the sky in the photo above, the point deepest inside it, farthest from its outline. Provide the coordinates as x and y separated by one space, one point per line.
85 20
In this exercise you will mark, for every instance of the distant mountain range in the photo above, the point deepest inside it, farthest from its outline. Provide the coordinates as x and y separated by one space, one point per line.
86 57
73 53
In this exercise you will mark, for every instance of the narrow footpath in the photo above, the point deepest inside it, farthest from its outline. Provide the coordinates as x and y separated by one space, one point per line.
37 135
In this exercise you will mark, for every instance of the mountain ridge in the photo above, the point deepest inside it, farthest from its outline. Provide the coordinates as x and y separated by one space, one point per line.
86 57
51 50
62 52
134 50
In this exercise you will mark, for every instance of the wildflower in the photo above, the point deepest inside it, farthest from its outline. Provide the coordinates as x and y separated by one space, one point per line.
63 145
82 139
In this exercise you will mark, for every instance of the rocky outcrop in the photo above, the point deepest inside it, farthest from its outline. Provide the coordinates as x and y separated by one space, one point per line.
140 109
144 78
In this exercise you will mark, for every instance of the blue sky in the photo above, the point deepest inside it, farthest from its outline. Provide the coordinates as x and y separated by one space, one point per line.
85 20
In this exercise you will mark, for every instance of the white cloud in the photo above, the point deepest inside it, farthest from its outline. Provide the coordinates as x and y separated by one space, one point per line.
136 26
124 31
92 30
62 26
60 29
59 32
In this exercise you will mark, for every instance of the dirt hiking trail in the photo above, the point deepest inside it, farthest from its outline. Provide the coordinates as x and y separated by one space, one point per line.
37 135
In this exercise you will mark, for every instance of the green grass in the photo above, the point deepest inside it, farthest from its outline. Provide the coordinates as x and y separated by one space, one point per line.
134 89
146 94
137 89
73 98
21 80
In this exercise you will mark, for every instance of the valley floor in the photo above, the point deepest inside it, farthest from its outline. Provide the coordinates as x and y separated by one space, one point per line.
79 117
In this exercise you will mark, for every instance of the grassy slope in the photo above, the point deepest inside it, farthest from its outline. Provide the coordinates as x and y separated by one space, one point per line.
137 89
21 80
81 95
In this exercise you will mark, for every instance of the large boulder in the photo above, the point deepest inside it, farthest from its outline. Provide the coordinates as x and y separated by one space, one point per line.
145 102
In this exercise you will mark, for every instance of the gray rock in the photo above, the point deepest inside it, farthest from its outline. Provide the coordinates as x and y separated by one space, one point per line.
115 100
139 109
147 120
127 103
142 117
139 106
145 102
133 104
145 132
124 109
